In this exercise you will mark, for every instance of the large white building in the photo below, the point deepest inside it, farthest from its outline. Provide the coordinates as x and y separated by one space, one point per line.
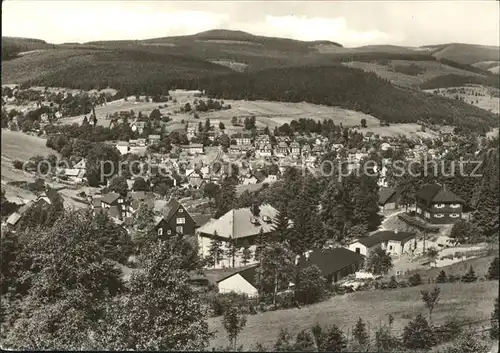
241 226
394 242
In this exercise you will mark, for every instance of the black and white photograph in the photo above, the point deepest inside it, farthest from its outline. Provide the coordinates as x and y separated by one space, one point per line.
266 176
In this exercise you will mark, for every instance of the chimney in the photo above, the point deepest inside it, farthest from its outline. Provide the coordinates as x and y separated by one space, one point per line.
255 210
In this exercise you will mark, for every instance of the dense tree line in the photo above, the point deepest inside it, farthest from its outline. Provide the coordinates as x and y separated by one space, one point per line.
351 89
453 80
480 191
63 289
146 71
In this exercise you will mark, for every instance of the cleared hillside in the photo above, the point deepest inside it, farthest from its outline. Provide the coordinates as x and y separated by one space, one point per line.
394 71
465 53
350 89
453 80
486 65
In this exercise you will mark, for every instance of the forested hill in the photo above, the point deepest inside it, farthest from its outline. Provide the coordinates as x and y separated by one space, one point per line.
351 89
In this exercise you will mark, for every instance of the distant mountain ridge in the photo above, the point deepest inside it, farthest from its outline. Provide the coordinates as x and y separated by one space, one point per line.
147 65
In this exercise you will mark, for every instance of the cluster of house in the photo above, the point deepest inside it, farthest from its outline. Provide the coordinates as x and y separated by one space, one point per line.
171 218
434 204
44 199
241 227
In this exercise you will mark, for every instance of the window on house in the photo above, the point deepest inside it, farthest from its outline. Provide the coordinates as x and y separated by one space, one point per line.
427 215
181 209
419 210
179 229
160 231
455 205
358 250
181 220
390 247
440 205
438 215
169 232
454 215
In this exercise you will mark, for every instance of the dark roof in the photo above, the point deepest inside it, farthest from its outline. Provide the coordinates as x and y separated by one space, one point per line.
331 260
248 273
260 176
96 201
201 219
142 195
170 209
114 211
385 194
386 235
110 197
437 193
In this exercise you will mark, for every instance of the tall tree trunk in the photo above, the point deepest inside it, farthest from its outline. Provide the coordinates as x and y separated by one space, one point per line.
275 286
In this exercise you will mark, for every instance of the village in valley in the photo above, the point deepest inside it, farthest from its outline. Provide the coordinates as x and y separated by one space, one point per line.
207 217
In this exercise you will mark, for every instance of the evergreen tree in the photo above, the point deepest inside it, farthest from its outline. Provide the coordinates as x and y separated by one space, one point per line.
470 276
226 198
281 227
261 242
284 342
215 253
276 270
332 340
232 251
246 254
493 270
359 333
418 334
304 342
494 322
468 343
441 278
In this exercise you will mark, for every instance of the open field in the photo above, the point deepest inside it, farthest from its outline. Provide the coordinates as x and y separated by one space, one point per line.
433 69
17 145
409 130
463 301
267 113
486 101
480 266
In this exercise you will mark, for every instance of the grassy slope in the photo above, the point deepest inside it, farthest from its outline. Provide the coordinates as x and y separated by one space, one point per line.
463 301
466 53
433 69
17 145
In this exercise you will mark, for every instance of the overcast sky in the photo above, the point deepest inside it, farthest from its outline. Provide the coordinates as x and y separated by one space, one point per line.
409 23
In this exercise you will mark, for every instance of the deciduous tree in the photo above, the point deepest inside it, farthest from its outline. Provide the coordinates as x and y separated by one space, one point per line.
378 262
234 321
